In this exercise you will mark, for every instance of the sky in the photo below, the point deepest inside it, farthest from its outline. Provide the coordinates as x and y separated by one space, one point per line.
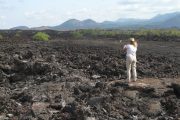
34 13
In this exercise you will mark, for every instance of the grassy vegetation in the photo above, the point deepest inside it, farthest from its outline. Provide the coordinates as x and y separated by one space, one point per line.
114 34
41 36
128 33
168 32
76 35
96 33
18 34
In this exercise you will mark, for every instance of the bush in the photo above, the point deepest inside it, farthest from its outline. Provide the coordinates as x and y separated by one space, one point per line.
76 34
159 32
90 32
18 34
41 36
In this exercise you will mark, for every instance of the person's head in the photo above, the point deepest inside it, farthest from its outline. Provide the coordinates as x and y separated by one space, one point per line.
133 42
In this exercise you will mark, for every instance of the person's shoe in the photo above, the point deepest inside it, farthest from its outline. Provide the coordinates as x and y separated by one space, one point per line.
134 80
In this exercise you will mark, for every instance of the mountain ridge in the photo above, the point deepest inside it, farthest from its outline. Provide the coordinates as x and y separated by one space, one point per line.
168 20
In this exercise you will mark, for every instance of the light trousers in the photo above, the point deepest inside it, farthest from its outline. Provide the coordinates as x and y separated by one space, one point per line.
131 64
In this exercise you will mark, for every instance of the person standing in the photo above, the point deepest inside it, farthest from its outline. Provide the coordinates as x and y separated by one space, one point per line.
131 60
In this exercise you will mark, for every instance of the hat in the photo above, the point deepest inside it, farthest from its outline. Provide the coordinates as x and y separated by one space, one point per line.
132 39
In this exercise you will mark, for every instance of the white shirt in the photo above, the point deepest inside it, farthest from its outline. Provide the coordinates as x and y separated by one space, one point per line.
130 49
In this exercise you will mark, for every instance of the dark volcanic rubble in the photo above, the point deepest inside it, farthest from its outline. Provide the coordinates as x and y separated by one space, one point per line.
61 80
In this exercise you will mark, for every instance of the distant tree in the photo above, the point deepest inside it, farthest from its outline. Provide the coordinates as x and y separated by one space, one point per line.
41 36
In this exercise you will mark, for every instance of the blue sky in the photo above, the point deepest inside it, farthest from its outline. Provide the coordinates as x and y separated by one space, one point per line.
33 13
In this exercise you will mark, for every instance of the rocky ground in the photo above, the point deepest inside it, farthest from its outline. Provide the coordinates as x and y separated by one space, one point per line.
85 80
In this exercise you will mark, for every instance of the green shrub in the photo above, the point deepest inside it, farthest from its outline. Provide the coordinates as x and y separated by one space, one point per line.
158 32
18 34
76 34
90 32
98 32
41 36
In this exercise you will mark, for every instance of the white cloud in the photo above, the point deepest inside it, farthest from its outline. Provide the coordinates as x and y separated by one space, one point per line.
147 8
141 9
79 11
38 15
2 17
83 13
128 2
41 18
145 2
3 22
53 13
5 6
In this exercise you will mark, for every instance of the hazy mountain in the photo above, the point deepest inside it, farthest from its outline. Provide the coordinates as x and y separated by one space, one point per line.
131 21
88 23
77 24
68 25
169 20
164 17
172 22
41 28
20 28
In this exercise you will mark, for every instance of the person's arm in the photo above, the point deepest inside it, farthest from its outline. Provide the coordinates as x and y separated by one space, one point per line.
124 51
136 44
124 48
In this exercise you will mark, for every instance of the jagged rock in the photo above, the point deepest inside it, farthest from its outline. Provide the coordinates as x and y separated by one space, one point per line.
40 98
70 100
117 91
23 66
77 91
151 108
41 68
27 55
131 94
100 85
96 76
3 76
70 108
96 101
118 84
176 88
23 97
57 106
170 105
69 85
90 118
40 111
154 108
85 88
6 68
10 115
51 58
146 88
3 117
17 77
